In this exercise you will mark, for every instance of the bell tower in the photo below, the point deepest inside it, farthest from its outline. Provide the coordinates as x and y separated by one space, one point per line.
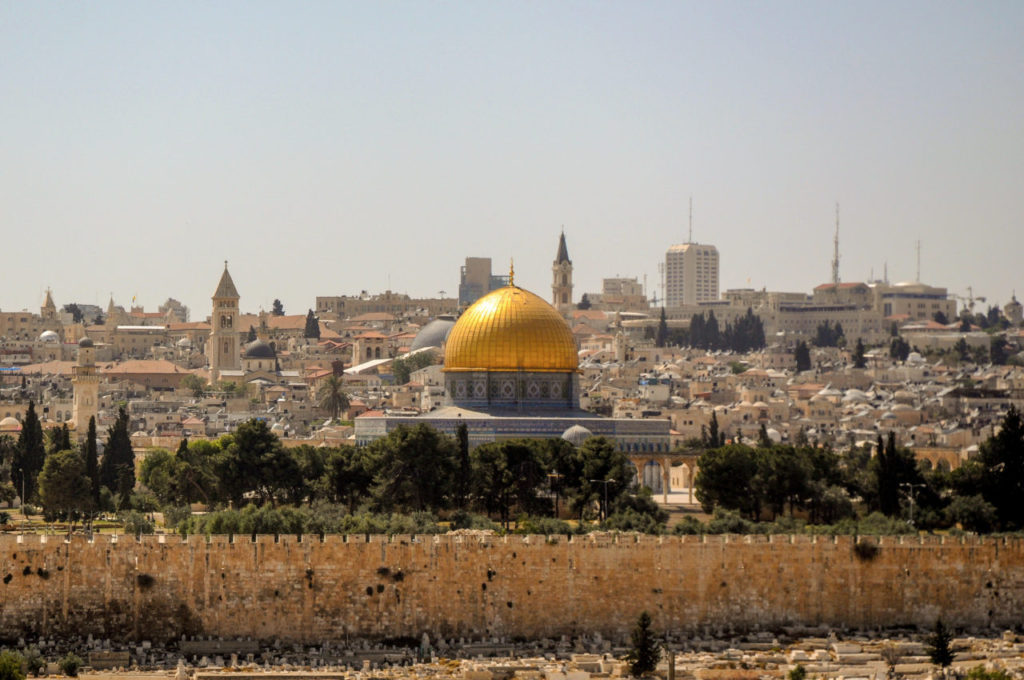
561 278
224 347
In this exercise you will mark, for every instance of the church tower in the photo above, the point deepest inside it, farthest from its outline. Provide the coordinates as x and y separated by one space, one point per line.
49 310
86 385
224 346
561 278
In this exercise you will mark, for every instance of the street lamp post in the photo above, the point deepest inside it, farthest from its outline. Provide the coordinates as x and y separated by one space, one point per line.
606 482
553 477
910 496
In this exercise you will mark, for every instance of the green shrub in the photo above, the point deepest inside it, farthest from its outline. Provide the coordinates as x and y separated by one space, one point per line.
542 526
10 665
688 526
470 520
34 661
136 523
70 664
175 516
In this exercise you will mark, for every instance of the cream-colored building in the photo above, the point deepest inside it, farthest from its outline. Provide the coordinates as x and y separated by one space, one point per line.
691 274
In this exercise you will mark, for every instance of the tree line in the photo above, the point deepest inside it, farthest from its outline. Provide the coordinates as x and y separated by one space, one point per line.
413 471
69 481
821 486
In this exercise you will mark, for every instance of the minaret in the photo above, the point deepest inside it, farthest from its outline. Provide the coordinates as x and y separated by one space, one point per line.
86 385
224 348
561 278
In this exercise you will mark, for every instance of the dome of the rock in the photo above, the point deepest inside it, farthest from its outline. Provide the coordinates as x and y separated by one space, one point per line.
511 329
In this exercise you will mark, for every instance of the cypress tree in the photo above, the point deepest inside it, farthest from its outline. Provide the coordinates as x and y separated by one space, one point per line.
939 649
312 326
117 469
646 652
92 468
31 454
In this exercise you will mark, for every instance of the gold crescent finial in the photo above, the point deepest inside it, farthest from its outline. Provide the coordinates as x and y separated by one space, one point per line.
511 271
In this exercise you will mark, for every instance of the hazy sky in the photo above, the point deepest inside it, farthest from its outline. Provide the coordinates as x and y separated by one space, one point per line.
324 148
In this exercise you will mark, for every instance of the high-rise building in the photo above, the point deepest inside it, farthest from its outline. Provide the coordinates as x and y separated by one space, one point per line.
691 274
476 280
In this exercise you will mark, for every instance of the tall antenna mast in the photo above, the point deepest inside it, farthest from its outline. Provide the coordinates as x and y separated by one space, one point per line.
835 251
917 279
689 239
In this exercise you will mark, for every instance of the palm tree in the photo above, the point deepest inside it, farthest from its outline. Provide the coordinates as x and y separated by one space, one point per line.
331 396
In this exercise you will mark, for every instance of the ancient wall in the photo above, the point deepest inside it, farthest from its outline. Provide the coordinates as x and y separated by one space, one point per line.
343 587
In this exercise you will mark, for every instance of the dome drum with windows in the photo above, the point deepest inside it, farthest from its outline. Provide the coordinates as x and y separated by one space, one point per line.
511 349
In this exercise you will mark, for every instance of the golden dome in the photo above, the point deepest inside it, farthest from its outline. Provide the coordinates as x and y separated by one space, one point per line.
511 329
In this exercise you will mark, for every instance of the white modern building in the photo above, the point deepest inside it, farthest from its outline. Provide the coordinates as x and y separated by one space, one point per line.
691 274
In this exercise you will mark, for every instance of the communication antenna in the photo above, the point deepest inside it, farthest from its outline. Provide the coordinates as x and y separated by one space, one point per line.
689 238
917 278
885 275
835 251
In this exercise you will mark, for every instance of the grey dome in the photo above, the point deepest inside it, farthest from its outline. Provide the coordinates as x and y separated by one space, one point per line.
434 333
577 434
259 349
85 342
49 336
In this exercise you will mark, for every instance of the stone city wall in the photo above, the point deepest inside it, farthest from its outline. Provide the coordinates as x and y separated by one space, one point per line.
343 587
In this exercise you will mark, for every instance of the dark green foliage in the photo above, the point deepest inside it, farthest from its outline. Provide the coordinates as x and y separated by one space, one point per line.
726 479
507 475
92 469
331 395
30 455
463 463
584 302
276 308
10 665
746 335
899 349
252 459
798 673
413 469
939 647
70 664
251 335
34 661
662 334
865 550
802 356
64 488
827 335
312 329
940 317
858 355
892 468
645 652
1002 480
402 368
117 469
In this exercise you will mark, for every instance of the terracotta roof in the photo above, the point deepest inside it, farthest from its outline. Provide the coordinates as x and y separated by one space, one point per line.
144 366
374 316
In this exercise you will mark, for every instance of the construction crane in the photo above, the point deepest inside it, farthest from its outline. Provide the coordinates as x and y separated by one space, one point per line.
970 299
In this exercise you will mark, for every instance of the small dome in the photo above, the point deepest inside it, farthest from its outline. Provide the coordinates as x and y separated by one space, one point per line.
49 336
259 349
10 424
85 342
184 342
577 434
434 333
